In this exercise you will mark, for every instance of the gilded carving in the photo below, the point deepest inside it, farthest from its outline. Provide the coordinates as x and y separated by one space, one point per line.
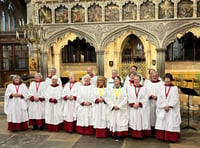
147 10
112 12
185 9
78 14
94 13
45 15
129 11
166 9
61 15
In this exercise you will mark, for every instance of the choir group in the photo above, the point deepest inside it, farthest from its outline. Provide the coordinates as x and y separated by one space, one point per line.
96 106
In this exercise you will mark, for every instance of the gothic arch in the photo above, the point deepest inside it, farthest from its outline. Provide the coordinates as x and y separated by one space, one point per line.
172 35
61 34
134 30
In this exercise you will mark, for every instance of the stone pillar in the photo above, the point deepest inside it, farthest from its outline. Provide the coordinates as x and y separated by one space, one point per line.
86 14
57 63
175 9
120 12
103 13
138 12
100 62
161 61
156 10
194 8
44 63
69 14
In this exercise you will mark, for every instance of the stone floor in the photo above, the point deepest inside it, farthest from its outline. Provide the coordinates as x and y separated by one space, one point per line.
43 139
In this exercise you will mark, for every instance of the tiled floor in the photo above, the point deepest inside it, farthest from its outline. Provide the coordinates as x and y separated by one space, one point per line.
43 139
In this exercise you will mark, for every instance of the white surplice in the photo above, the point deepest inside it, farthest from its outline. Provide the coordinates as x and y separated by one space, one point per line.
171 120
100 109
153 89
54 112
16 107
138 118
69 111
118 119
85 113
36 110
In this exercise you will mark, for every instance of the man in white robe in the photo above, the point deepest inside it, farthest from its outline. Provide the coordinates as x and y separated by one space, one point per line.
15 105
151 72
85 108
110 81
48 80
133 69
153 88
101 108
168 112
54 106
129 84
118 110
93 77
36 108
69 96
139 124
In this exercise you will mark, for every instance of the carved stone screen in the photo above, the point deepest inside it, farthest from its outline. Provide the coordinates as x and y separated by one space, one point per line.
112 12
147 10
129 11
45 15
94 13
78 14
185 9
166 9
61 14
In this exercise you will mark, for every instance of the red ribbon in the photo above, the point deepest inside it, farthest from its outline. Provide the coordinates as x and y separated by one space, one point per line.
17 88
137 92
167 91
37 86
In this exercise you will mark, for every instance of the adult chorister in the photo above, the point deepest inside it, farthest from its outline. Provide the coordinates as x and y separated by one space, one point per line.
36 108
15 105
168 112
69 96
54 106
85 108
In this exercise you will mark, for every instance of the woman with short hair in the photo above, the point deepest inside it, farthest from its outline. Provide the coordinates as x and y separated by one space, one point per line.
69 96
139 110
54 106
15 105
84 123
168 112
37 103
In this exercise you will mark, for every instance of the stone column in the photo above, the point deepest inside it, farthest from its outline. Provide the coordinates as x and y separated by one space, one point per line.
175 9
86 14
156 10
44 63
57 63
103 13
69 13
138 12
161 61
100 62
194 8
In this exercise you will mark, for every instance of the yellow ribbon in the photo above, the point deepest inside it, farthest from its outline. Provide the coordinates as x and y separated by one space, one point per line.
101 91
117 92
